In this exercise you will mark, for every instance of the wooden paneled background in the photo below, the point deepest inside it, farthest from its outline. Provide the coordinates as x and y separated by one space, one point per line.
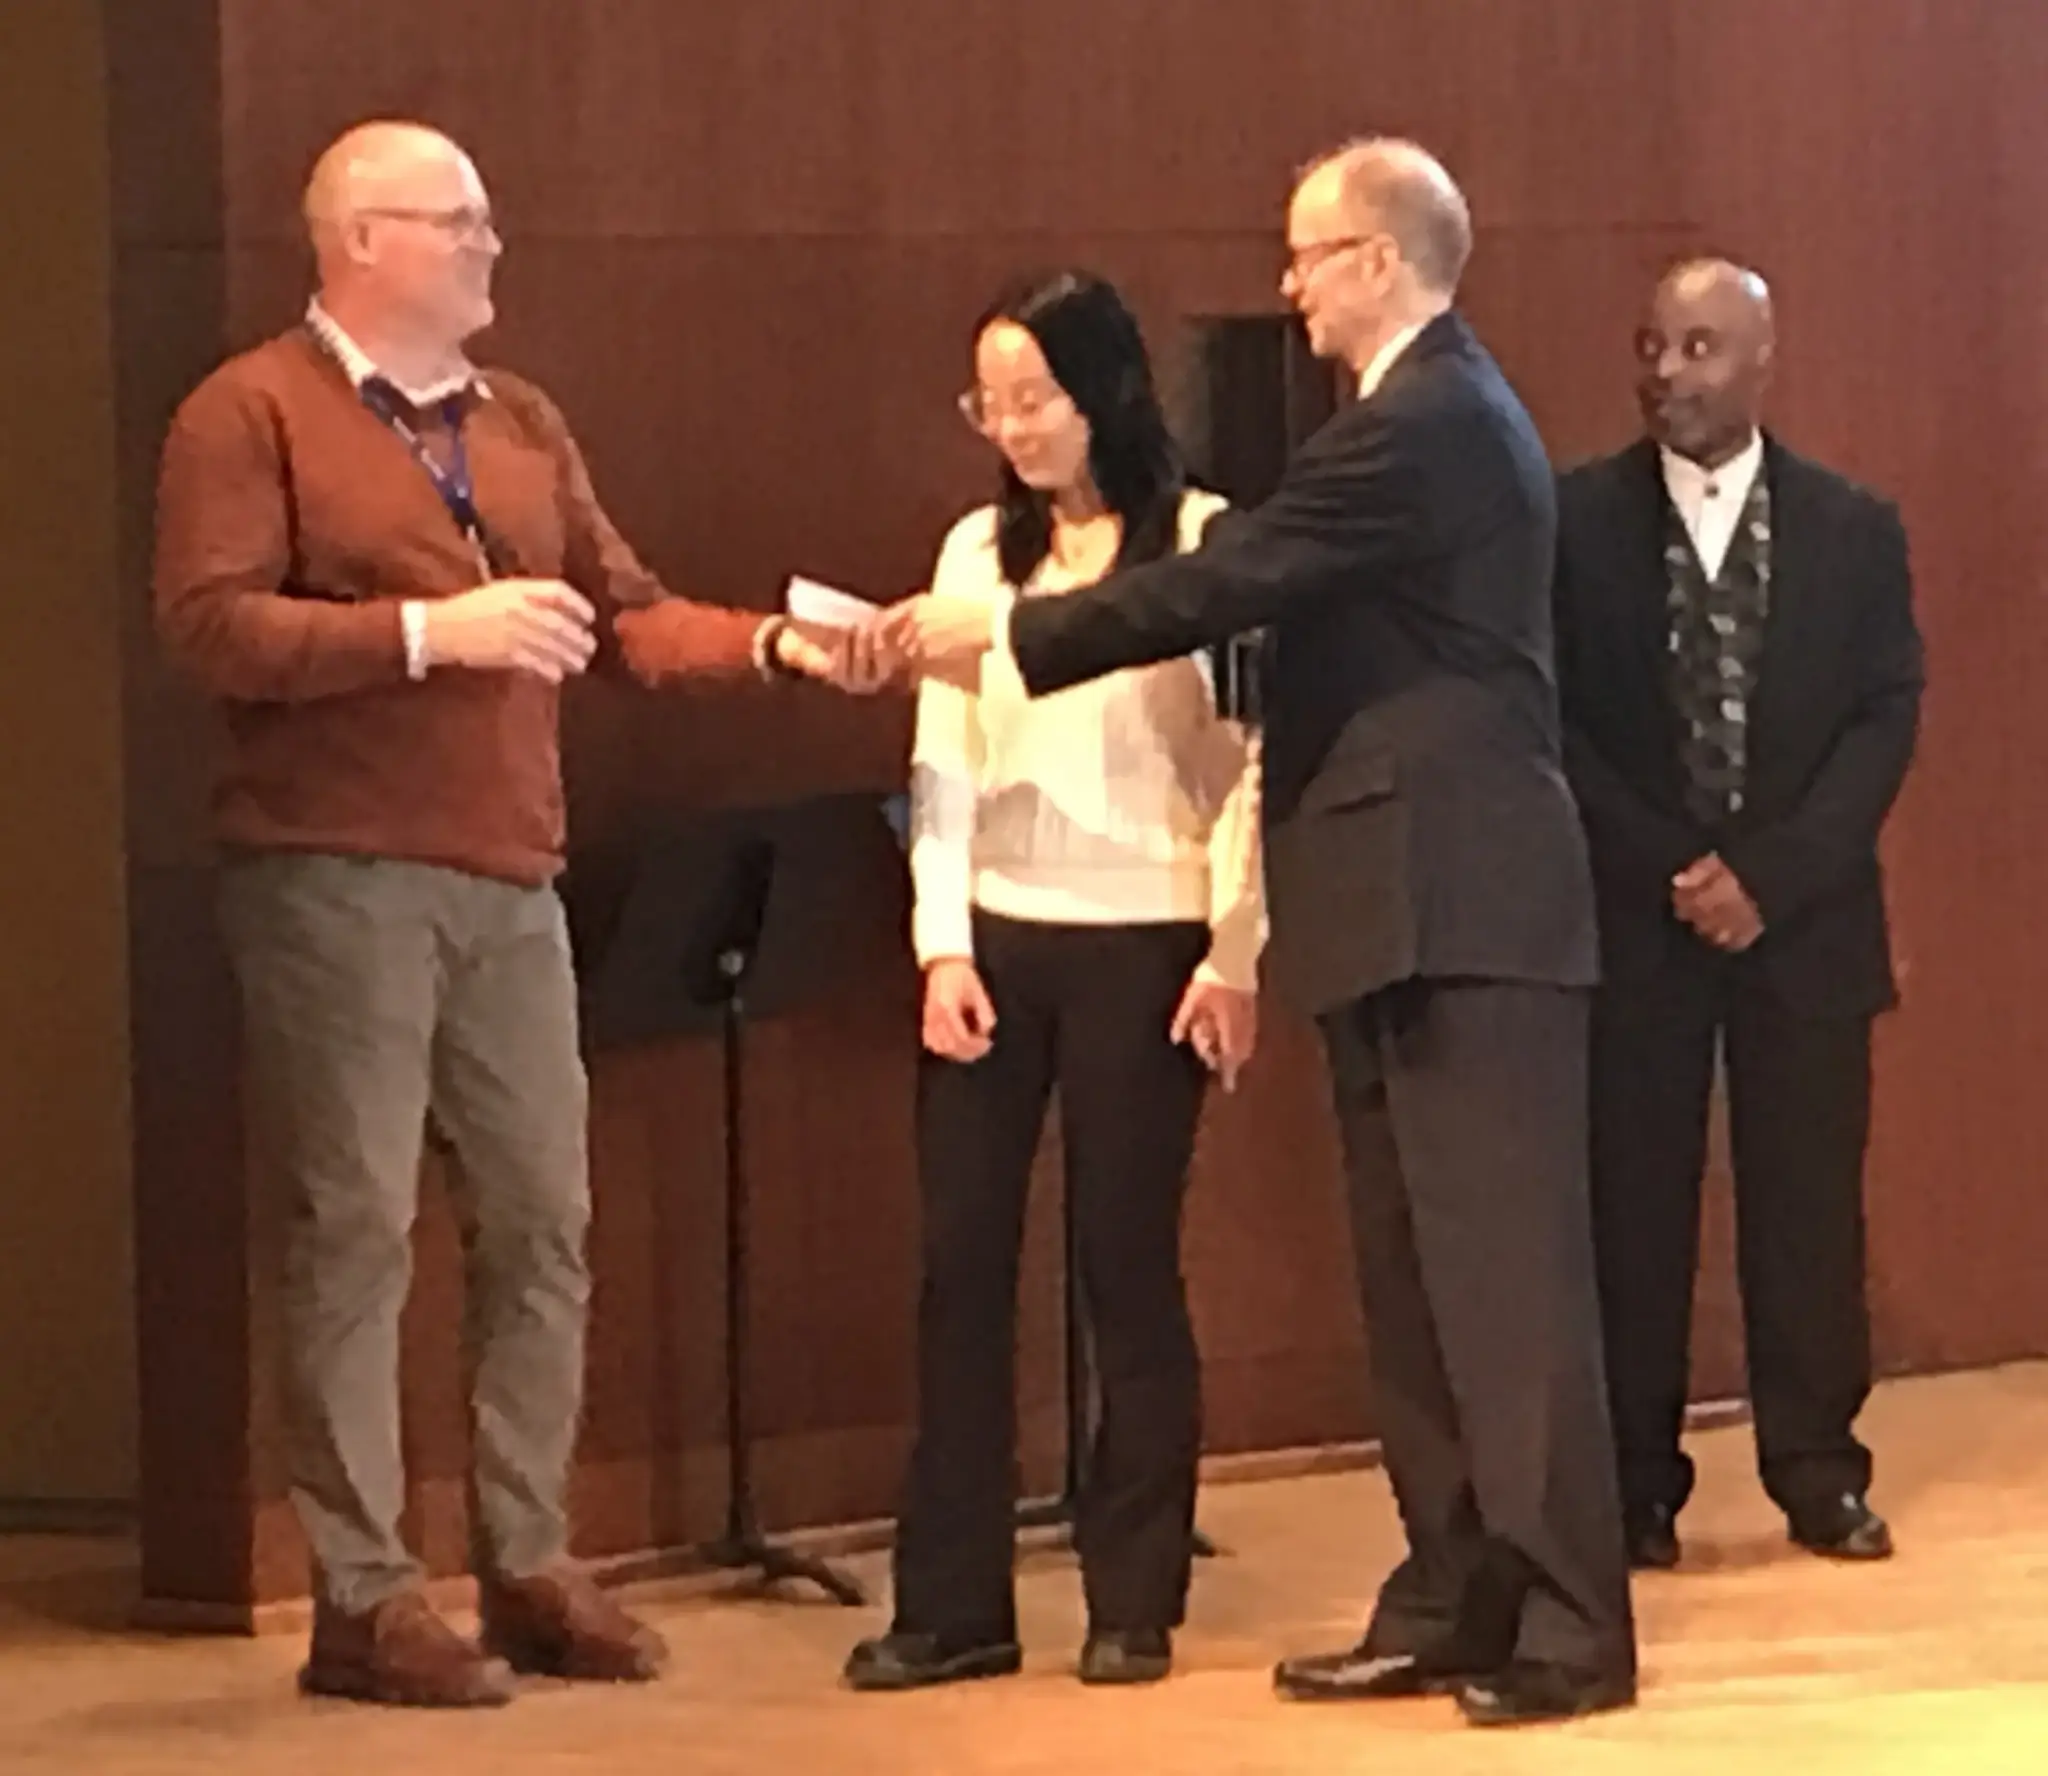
746 244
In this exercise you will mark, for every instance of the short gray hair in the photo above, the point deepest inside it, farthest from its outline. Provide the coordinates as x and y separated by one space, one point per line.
1403 188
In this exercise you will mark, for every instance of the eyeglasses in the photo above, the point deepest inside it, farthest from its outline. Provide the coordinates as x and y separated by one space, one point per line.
1307 258
1032 406
464 224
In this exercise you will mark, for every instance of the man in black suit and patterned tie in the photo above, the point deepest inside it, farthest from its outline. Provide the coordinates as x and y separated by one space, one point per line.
1431 905
1741 678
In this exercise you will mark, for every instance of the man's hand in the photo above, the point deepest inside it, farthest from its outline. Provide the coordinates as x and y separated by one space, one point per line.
831 656
537 626
1221 1024
959 1016
806 652
942 638
1707 896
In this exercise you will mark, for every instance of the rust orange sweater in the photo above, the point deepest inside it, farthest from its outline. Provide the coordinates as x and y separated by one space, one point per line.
291 525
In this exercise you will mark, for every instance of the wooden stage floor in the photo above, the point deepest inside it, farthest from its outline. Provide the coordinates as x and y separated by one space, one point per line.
1758 1659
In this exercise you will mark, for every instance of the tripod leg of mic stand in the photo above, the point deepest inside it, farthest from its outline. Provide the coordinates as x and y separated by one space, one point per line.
747 1550
780 1566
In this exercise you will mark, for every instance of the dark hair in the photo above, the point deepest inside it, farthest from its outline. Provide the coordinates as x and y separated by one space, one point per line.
1096 353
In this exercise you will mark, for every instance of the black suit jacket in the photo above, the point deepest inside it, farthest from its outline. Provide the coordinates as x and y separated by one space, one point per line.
1831 728
1418 819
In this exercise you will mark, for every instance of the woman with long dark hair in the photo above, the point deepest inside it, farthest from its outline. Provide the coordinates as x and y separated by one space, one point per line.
1089 916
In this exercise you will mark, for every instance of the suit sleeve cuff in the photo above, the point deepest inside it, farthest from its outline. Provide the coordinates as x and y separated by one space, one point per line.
1013 637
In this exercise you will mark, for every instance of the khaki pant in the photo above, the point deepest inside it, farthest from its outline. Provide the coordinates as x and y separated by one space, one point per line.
374 992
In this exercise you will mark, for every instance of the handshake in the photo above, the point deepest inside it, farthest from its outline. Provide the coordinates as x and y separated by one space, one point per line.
862 648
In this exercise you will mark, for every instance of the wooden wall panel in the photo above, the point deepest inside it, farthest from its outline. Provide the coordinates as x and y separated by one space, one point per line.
1558 307
746 247
1881 162
646 119
196 1313
67 1388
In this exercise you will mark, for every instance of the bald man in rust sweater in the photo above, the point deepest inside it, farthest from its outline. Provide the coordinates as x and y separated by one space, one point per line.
382 565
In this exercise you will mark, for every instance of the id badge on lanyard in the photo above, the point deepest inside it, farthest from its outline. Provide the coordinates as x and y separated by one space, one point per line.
452 479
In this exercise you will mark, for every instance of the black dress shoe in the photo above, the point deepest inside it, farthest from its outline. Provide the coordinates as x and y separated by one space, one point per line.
1843 1529
1360 1675
1652 1538
900 1661
1523 1693
1127 1656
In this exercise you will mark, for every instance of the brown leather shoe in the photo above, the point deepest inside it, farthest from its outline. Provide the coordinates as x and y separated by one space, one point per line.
559 1624
402 1655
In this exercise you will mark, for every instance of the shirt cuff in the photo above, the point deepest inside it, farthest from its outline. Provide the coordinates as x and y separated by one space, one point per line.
412 625
938 935
766 661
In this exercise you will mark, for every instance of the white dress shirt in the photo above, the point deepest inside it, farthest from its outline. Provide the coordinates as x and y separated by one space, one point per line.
361 367
1375 372
1710 501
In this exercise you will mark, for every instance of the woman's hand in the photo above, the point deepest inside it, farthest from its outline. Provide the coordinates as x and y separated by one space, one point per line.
959 1016
932 637
1220 1023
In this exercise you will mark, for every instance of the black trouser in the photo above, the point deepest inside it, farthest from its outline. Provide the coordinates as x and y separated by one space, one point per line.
1799 1118
1462 1106
1088 1008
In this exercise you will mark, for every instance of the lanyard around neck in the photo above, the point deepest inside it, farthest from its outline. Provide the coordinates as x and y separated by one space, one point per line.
451 479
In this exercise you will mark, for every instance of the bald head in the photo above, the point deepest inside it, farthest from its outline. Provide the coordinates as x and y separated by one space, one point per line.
376 165
401 229
1703 358
1732 297
1382 185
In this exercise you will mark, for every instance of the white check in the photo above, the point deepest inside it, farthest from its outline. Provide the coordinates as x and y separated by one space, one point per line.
825 607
